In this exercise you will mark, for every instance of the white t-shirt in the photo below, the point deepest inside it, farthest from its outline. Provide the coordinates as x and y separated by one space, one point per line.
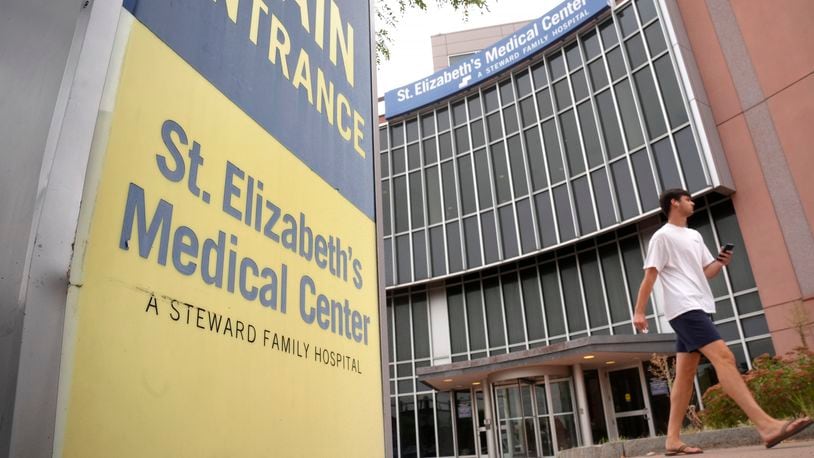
680 255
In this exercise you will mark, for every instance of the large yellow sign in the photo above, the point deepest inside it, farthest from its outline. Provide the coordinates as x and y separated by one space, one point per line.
228 303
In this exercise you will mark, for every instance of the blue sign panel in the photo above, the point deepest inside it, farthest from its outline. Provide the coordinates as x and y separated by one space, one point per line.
300 69
534 37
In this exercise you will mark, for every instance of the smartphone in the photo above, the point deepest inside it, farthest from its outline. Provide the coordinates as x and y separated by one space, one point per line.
728 248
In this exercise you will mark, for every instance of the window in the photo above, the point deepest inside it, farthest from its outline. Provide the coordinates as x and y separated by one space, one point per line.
614 283
585 208
551 299
475 314
420 255
573 150
526 226
494 312
514 309
602 194
472 239
630 120
534 150
501 173
565 221
533 307
649 99
571 293
482 174
594 300
518 166
545 219
455 307
508 232
454 247
467 184
489 237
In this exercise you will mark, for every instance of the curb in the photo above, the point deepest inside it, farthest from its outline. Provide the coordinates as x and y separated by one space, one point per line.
720 438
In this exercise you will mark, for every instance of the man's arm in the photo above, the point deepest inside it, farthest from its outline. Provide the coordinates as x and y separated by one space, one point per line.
714 268
650 275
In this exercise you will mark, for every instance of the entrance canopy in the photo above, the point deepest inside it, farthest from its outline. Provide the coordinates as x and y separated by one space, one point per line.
591 352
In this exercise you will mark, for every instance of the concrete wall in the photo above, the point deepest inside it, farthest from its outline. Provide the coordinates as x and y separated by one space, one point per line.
35 39
757 64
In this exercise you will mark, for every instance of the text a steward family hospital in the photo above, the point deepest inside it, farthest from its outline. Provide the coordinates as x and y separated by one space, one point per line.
520 188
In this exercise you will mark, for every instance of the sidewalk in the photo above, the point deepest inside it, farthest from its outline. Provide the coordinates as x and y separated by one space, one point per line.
742 442
790 449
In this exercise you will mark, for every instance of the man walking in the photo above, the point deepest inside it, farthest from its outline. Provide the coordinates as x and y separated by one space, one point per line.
678 257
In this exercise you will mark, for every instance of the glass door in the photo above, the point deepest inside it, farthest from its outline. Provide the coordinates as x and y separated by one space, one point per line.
516 420
629 405
536 419
464 423
544 420
563 414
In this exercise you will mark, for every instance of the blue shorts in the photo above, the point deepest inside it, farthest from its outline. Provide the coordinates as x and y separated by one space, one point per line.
694 329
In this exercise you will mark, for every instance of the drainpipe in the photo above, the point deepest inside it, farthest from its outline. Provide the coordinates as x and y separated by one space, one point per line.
582 406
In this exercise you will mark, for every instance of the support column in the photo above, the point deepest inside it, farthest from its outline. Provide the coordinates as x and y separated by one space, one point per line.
489 419
582 406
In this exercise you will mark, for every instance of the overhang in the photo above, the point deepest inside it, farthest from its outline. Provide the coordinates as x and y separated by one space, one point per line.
592 352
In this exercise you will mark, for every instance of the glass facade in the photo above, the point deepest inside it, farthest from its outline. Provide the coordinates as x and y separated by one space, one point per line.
521 211
578 141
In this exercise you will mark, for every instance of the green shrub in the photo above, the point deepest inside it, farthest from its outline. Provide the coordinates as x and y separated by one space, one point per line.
783 386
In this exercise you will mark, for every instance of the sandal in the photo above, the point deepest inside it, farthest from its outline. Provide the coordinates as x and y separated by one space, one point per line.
787 431
680 451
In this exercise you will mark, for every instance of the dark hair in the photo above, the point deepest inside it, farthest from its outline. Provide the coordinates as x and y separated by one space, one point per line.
666 198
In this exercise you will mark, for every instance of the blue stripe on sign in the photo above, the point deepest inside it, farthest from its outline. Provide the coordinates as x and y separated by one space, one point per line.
204 35
533 38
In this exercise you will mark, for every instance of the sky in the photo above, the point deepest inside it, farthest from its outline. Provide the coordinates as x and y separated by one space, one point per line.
411 51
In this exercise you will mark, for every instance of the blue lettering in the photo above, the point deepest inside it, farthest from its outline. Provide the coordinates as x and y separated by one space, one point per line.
162 218
306 282
230 190
249 294
167 129
180 246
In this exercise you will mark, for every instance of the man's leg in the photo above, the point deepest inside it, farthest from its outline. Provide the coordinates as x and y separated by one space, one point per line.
724 362
686 365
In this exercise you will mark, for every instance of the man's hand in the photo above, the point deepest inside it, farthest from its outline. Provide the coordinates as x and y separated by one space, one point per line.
714 268
640 322
725 257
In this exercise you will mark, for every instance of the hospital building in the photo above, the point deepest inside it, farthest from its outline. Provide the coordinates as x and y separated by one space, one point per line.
516 215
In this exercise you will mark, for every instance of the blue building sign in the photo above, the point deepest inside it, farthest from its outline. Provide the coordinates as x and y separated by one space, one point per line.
534 37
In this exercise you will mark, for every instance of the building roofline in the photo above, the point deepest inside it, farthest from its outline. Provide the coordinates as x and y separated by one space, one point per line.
504 24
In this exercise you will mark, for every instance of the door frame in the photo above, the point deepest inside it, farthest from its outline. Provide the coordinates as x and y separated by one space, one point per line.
517 383
476 408
546 381
607 400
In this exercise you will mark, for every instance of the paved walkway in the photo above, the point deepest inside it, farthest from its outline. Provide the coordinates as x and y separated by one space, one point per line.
791 449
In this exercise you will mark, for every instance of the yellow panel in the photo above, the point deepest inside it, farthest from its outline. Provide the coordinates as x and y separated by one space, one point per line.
144 380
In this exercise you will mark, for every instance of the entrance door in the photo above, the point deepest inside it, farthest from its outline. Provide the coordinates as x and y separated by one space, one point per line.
516 420
630 407
514 410
535 418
